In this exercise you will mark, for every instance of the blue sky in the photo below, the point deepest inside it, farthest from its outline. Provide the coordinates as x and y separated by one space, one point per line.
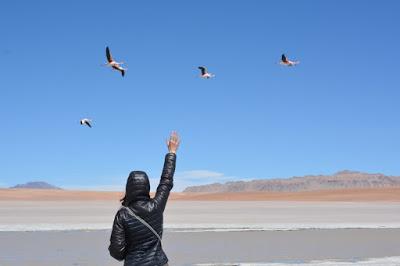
339 109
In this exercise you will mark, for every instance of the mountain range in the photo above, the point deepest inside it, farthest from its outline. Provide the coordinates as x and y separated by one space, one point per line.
341 180
36 185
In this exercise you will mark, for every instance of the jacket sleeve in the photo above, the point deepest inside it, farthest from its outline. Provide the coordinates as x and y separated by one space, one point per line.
166 182
117 246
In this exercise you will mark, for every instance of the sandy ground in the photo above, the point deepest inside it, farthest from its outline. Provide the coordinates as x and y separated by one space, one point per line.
89 248
232 215
382 194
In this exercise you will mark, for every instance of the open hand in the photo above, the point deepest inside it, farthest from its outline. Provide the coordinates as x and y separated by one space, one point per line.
173 142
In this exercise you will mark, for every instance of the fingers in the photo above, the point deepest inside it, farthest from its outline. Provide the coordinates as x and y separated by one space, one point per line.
173 142
178 139
174 138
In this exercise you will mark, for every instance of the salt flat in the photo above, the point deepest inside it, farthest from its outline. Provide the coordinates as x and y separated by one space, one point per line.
204 215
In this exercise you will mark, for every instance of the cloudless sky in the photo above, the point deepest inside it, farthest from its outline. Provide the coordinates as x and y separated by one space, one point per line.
339 109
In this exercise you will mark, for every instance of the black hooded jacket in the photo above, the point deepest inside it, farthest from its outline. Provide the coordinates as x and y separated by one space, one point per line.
130 239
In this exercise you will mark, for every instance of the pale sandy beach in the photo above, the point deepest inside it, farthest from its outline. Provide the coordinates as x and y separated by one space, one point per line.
204 215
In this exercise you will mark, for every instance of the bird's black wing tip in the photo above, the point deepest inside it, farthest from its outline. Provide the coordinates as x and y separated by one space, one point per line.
203 70
108 54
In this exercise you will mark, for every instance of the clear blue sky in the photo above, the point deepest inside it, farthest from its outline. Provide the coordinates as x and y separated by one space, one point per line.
339 109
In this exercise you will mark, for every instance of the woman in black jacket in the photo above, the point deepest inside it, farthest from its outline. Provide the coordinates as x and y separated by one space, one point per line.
132 240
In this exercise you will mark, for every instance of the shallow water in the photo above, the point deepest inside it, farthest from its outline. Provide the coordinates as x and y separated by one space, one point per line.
388 261
276 248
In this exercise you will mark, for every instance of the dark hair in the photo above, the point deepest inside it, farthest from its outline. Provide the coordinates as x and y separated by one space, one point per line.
123 201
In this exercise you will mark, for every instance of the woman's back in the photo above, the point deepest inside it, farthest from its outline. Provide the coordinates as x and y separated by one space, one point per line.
142 245
131 240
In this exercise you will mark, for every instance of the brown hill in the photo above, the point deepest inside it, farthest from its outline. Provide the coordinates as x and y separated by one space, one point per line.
35 185
340 180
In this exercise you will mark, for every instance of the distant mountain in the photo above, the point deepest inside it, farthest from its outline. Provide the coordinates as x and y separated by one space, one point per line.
340 180
36 185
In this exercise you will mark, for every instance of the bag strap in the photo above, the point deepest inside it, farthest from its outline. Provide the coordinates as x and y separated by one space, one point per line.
143 222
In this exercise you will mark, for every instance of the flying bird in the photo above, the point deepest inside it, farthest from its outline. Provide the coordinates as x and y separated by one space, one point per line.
204 73
286 62
86 122
114 64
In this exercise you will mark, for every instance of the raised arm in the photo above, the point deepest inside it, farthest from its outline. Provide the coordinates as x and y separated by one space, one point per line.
167 176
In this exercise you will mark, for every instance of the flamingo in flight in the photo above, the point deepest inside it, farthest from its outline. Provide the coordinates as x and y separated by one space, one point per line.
286 62
114 64
204 73
86 122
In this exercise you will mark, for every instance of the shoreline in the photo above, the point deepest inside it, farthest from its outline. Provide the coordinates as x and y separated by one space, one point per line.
191 229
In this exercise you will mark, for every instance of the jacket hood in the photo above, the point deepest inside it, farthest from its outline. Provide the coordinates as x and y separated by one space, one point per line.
137 187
